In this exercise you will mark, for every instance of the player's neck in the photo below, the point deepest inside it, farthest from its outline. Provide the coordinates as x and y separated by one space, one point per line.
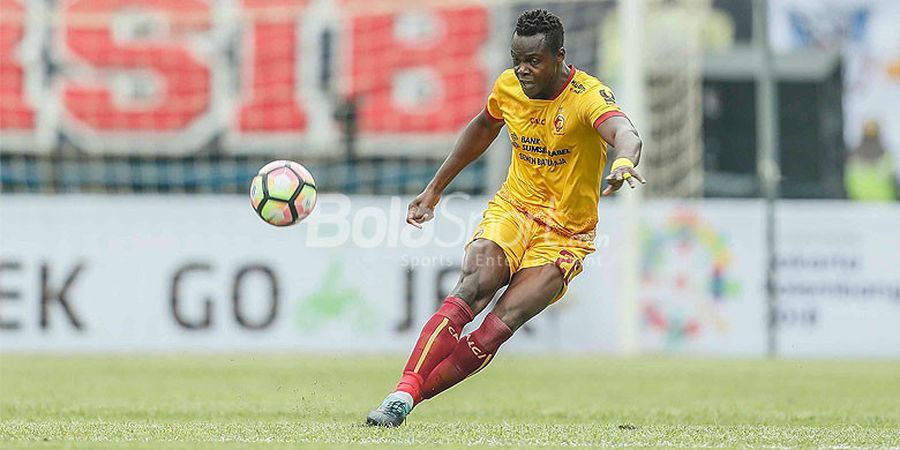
558 84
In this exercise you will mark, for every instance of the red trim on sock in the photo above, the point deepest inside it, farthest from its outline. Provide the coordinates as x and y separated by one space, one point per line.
492 333
462 313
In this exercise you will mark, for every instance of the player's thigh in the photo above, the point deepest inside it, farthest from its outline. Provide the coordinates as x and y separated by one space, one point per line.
529 292
484 271
492 255
508 229
564 253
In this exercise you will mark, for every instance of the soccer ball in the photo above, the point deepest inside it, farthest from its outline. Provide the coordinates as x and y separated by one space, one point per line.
283 193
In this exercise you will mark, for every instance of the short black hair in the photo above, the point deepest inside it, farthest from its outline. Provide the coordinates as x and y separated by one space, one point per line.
536 21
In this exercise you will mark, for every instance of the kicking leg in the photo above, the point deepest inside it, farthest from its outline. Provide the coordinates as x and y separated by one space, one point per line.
485 270
530 291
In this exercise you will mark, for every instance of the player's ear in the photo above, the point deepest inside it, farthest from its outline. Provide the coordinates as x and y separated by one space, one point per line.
561 54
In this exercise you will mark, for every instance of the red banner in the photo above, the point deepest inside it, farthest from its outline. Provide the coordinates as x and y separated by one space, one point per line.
149 76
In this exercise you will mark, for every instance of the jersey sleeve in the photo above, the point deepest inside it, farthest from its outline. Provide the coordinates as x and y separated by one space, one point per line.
494 101
598 105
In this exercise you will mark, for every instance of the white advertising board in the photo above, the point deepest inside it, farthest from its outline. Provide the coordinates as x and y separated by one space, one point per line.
202 273
701 288
839 279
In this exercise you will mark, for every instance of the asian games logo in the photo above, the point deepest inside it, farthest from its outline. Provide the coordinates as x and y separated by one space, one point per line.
686 278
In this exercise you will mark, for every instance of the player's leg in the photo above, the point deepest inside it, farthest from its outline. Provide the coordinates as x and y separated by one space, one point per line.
530 291
485 270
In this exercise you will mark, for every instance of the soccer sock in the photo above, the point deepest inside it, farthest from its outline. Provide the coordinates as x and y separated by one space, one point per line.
473 352
438 338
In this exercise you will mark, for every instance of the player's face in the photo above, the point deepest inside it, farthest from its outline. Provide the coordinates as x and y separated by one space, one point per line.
535 65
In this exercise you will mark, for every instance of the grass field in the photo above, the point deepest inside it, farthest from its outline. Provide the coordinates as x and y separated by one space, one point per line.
301 401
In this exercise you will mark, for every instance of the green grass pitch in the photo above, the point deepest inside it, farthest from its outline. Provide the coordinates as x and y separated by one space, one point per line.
284 401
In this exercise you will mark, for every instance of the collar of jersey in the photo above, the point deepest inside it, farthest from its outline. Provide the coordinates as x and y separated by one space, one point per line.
572 71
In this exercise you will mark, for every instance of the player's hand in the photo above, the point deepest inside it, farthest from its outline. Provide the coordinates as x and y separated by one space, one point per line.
421 209
622 175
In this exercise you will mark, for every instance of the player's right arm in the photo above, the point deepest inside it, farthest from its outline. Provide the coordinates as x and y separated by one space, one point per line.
474 140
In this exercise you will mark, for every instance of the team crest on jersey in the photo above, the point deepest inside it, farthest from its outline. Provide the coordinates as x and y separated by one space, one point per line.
559 122
514 139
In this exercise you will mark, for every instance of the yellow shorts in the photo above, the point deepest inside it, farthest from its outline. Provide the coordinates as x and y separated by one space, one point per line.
528 243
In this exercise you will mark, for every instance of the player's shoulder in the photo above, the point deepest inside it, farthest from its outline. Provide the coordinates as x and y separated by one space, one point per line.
589 90
584 83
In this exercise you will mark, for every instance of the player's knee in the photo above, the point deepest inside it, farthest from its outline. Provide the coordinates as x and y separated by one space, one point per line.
485 265
474 290
484 271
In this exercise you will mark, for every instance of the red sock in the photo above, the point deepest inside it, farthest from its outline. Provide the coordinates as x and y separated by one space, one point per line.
438 338
473 352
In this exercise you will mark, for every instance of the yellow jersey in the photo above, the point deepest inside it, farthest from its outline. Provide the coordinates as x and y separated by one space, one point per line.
557 154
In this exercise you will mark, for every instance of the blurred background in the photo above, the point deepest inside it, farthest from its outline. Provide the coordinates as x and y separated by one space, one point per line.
129 131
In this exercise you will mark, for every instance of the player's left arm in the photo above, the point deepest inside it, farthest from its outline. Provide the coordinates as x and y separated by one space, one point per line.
620 133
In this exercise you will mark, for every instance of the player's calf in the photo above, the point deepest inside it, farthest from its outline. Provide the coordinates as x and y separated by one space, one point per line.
437 339
473 352
531 291
485 271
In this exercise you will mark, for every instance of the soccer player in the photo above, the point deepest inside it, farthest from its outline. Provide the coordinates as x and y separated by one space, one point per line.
540 225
